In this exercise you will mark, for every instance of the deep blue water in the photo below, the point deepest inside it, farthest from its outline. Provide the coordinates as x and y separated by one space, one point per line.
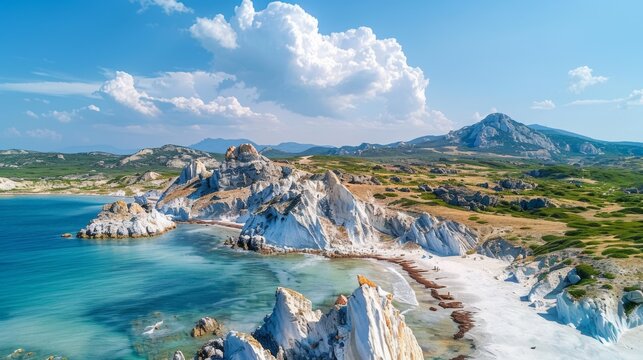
91 299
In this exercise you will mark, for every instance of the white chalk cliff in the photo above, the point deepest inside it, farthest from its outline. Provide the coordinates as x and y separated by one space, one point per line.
365 325
287 208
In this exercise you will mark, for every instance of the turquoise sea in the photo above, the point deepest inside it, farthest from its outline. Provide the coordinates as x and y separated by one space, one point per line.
92 299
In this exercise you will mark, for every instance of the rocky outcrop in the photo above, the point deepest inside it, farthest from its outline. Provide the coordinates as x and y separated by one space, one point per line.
444 238
365 325
502 249
121 220
443 171
516 184
534 203
207 326
588 148
195 169
463 197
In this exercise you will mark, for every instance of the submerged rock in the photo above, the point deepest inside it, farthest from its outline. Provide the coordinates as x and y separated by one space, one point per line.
121 220
207 326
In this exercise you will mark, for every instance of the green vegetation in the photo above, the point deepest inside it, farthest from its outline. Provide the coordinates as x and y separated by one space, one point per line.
577 293
586 271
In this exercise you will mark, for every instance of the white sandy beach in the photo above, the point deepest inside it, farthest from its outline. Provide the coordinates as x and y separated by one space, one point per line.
507 328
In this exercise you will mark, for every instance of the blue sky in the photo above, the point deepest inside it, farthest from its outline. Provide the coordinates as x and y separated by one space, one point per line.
148 72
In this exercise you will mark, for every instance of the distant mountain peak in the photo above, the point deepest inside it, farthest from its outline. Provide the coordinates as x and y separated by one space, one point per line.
500 132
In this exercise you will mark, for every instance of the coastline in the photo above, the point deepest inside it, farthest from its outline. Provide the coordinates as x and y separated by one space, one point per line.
504 326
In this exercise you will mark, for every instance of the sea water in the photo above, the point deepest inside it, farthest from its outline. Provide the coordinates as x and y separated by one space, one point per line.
85 299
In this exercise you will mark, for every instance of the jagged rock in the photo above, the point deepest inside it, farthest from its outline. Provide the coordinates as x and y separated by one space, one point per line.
395 179
178 355
211 350
120 220
241 346
635 296
367 327
406 169
243 167
443 171
207 326
516 184
443 238
364 179
193 170
573 278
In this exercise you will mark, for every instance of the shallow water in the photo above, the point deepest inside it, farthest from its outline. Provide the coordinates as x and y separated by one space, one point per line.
92 299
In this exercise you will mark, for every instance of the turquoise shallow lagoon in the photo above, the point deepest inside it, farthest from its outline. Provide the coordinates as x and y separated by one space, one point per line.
91 299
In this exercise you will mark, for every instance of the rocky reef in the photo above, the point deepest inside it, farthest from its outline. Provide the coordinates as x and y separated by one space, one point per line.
364 325
121 220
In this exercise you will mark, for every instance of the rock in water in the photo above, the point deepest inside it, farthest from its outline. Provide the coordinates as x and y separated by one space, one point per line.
121 220
207 326
368 326
178 355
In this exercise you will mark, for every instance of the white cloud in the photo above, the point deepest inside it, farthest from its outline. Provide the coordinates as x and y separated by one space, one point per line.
280 52
31 114
215 31
225 106
52 88
68 116
581 78
182 90
123 91
635 98
543 105
43 134
11 132
477 116
168 6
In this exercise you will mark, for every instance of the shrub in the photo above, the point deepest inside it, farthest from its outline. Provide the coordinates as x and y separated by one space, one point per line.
585 271
577 293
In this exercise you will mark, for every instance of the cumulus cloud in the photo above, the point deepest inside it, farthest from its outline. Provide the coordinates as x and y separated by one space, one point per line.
43 134
581 78
280 52
543 105
31 114
182 90
93 108
123 91
56 88
168 6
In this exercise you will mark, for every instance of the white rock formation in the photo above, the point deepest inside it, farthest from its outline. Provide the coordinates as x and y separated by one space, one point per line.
193 170
7 184
241 346
121 220
288 208
600 317
364 326
440 237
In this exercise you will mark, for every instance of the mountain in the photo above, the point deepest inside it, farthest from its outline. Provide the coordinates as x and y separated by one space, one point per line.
498 133
576 144
172 156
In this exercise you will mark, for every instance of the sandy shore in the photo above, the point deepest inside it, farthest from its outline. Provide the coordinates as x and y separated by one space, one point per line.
507 328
